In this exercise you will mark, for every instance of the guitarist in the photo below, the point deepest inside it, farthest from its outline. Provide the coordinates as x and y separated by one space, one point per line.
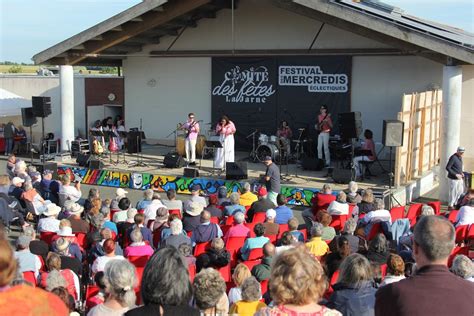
324 126
191 127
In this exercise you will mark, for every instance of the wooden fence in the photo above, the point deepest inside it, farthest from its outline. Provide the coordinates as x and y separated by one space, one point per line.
421 113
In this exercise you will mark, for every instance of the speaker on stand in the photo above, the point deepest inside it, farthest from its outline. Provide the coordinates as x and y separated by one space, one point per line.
28 120
41 108
392 136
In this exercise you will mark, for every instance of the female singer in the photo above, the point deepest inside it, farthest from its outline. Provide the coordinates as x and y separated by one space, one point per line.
226 130
284 134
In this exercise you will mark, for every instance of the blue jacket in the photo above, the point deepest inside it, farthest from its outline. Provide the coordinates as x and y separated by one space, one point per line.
283 214
352 301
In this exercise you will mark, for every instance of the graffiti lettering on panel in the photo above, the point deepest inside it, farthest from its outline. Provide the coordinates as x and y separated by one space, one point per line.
182 185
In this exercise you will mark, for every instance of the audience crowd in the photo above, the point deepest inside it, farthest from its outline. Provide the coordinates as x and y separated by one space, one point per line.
227 254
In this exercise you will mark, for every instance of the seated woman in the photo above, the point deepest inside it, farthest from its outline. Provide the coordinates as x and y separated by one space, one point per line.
31 195
109 249
328 232
395 270
241 273
238 229
297 284
287 241
50 223
368 153
378 250
120 281
214 257
53 263
256 242
209 293
340 205
234 206
354 293
367 203
352 191
251 295
138 247
334 259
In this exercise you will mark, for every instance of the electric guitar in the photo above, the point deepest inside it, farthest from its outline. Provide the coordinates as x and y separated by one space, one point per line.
319 125
187 130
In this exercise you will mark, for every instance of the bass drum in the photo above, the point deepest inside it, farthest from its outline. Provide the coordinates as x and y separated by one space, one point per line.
268 150
181 145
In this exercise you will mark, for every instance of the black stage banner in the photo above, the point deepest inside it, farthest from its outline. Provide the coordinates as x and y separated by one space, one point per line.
257 93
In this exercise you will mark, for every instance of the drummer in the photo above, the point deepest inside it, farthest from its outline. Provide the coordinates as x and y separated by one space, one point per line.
284 134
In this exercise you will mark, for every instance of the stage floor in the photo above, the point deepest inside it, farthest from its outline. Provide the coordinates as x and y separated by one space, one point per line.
292 175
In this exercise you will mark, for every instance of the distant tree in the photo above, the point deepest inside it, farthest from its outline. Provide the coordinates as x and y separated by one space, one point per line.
108 70
15 69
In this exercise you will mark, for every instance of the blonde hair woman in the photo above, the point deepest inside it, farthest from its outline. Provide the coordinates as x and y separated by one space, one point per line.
241 273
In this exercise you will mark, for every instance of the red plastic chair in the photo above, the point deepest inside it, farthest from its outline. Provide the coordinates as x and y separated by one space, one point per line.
452 216
259 217
112 213
141 211
47 237
383 270
376 229
470 232
255 254
457 251
201 247
91 291
251 226
414 211
397 213
338 222
233 245
215 220
30 277
332 281
283 228
229 221
138 261
461 233
192 272
436 205
247 208
175 211
225 273
252 263
189 234
273 238
81 239
305 233
351 209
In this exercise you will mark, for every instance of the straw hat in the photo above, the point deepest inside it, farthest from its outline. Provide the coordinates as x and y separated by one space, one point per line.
62 244
52 210
66 232
194 209
73 208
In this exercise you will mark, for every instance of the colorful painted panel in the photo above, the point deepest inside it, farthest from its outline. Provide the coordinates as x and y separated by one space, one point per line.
143 181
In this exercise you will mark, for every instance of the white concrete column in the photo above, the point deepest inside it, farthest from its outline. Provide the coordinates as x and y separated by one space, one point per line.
450 122
66 82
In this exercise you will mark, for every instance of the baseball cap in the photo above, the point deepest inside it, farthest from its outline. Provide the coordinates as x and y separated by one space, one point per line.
17 180
262 191
271 213
121 192
461 149
267 158
195 188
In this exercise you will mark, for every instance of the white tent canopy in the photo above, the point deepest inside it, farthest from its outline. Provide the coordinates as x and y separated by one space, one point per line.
11 104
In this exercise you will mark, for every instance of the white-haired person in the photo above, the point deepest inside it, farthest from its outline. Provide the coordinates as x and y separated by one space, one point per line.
138 247
234 206
21 170
271 228
340 205
463 267
209 293
353 192
238 229
120 194
120 280
147 197
30 195
251 295
177 237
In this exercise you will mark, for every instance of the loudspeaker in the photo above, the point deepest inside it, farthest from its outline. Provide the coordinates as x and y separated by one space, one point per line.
83 159
173 160
311 163
393 133
48 166
133 142
236 170
96 164
41 106
350 124
191 173
383 194
342 175
28 118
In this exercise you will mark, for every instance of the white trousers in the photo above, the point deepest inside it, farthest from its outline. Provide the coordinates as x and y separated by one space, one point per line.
190 145
225 154
323 141
358 167
456 188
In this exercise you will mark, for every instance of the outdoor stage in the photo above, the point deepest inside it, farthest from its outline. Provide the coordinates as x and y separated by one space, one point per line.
297 184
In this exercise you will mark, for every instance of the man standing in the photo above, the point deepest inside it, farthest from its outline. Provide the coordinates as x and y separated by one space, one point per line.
432 282
192 131
455 177
9 135
323 126
272 179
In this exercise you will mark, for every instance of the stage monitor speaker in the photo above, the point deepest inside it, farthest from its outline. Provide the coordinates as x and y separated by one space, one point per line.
392 133
48 166
41 106
236 170
350 124
28 118
173 160
83 159
133 142
343 176
191 173
310 163
96 164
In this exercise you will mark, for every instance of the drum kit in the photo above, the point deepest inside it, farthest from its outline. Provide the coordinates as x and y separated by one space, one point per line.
272 146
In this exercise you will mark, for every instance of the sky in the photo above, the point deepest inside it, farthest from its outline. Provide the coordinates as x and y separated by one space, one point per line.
30 26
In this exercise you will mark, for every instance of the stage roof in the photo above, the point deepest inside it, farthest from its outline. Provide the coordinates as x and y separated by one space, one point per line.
110 41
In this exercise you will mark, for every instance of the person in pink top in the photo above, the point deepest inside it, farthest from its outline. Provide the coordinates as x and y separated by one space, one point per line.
238 229
138 247
324 126
192 131
226 130
368 153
